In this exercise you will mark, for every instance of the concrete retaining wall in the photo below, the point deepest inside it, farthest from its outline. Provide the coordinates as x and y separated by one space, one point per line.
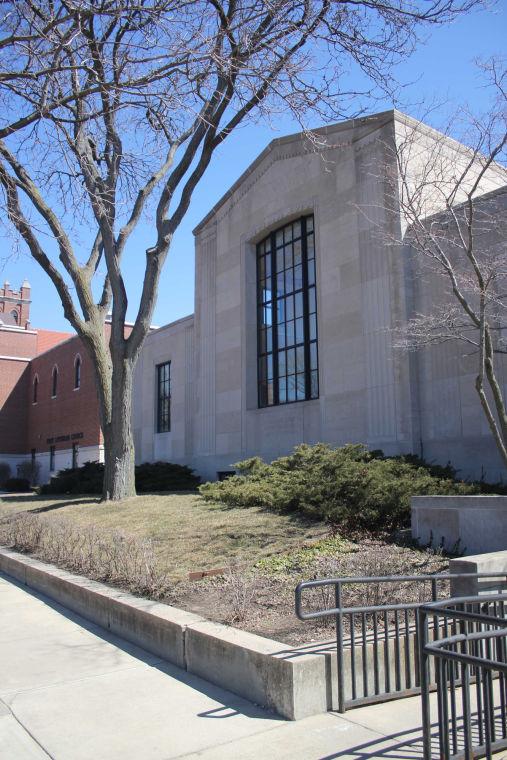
494 562
479 523
288 681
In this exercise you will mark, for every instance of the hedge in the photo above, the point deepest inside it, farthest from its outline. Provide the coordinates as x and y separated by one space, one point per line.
150 476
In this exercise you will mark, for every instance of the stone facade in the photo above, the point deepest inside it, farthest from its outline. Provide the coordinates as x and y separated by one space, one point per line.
173 343
369 392
453 425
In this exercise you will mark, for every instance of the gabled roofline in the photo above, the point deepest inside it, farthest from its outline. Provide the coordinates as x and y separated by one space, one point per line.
377 120
380 119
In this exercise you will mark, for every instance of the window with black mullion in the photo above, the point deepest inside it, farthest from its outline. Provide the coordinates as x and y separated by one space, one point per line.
164 397
287 340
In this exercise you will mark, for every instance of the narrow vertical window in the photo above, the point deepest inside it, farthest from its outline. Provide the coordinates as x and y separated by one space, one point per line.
287 315
77 372
164 397
35 389
54 382
75 452
52 452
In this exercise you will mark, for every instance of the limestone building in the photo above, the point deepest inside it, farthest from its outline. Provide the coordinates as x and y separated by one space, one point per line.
296 290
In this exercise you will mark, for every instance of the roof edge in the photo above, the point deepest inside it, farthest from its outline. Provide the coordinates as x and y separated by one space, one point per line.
381 116
379 120
176 323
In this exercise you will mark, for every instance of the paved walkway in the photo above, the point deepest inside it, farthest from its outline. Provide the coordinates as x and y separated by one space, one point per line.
70 691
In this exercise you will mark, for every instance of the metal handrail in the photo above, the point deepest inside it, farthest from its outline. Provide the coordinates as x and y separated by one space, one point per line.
377 579
380 659
460 659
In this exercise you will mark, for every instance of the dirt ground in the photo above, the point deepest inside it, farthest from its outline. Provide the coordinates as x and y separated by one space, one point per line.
261 599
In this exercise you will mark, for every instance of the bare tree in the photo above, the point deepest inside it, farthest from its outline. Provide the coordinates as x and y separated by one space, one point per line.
454 203
111 110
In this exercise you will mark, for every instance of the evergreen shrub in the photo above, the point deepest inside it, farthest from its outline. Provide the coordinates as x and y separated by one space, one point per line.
150 476
86 479
5 472
16 485
347 486
165 476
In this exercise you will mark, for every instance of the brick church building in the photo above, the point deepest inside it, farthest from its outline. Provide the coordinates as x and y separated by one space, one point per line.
48 402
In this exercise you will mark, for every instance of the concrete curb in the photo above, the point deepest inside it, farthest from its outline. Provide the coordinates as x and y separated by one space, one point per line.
290 682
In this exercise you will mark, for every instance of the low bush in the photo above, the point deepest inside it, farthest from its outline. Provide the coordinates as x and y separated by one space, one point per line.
151 476
118 558
17 485
165 476
348 486
5 472
29 470
86 479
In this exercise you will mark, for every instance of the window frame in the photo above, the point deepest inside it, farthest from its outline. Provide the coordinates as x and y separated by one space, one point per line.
162 425
77 372
54 382
263 401
35 389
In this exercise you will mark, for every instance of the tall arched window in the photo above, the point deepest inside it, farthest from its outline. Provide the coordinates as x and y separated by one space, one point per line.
15 316
35 389
54 382
287 315
77 372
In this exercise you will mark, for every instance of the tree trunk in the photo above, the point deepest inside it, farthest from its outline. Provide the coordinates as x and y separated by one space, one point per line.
119 472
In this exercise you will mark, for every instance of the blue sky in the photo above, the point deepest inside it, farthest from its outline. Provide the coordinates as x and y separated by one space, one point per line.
442 69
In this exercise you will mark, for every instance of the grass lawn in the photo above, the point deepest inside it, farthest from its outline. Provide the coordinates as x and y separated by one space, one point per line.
188 534
266 555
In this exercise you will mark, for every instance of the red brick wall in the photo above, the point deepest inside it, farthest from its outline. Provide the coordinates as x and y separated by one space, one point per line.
72 417
18 343
14 380
72 412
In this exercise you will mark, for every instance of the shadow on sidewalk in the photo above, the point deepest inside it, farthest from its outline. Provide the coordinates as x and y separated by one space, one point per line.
231 704
405 745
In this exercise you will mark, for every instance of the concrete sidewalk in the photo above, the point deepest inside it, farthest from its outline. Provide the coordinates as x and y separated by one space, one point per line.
70 691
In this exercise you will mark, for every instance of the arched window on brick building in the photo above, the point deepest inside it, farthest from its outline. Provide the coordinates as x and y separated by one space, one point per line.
15 316
54 382
77 372
35 389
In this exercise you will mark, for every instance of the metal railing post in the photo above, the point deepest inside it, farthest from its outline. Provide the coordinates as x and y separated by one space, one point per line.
424 675
340 676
